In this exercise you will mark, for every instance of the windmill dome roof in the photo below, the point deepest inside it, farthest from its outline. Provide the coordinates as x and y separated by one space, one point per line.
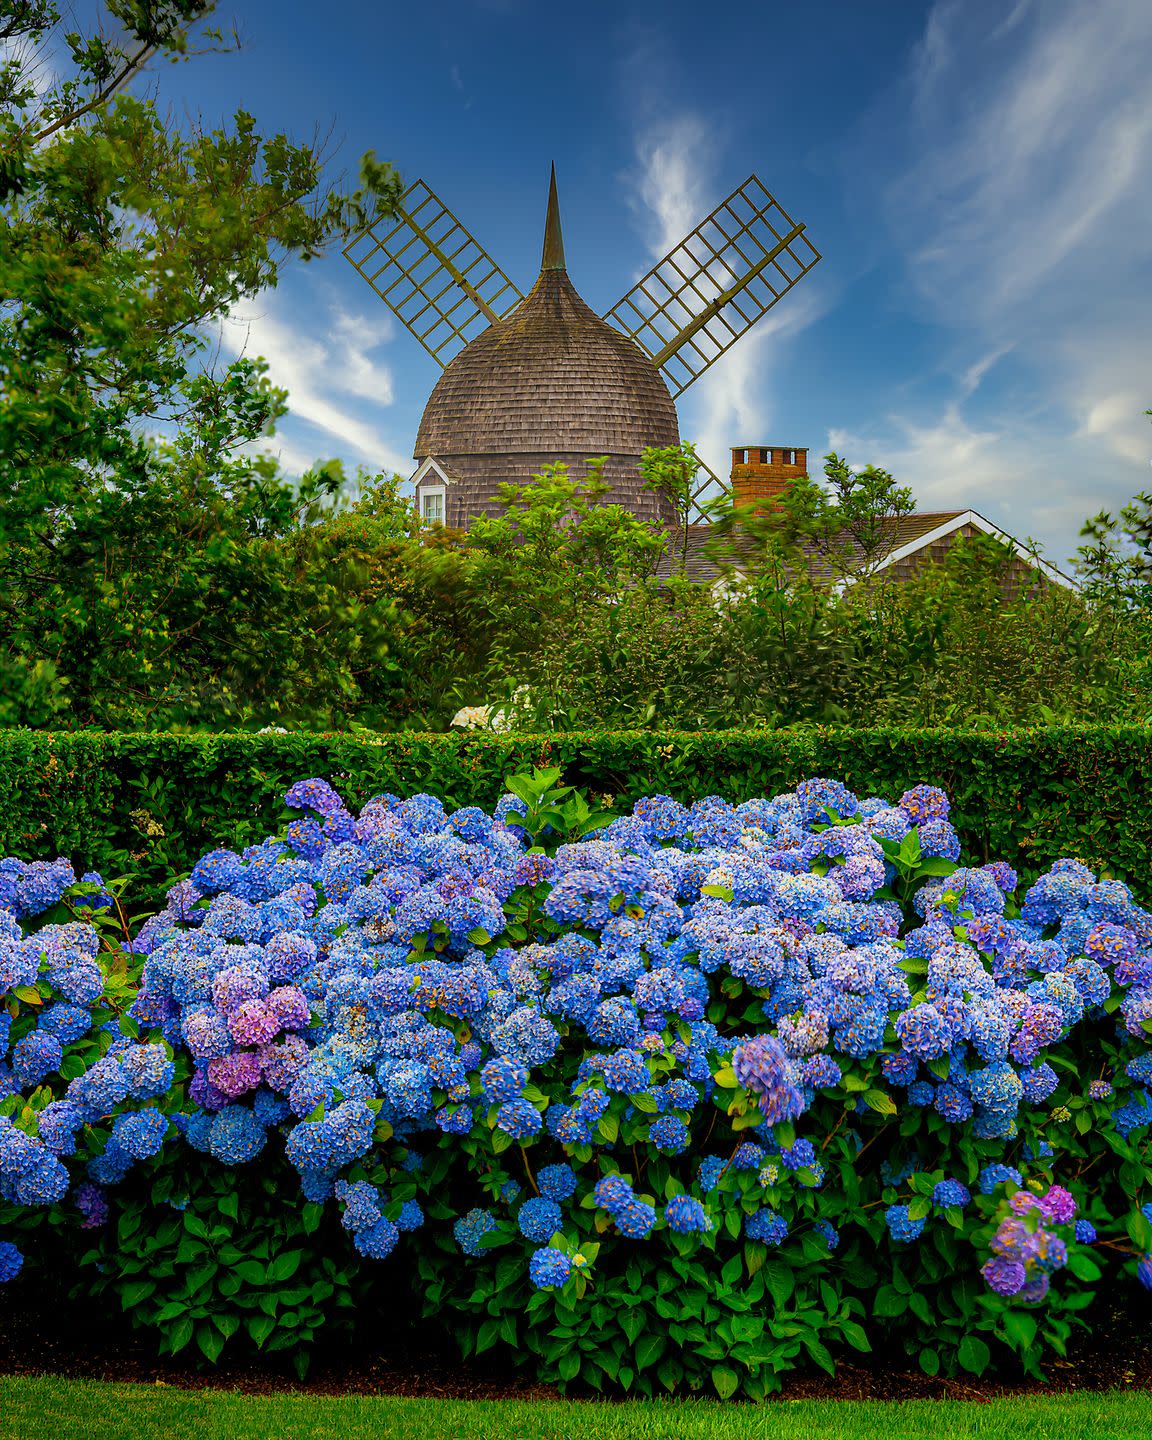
550 377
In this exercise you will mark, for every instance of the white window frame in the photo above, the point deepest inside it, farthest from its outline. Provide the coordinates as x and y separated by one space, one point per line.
433 492
429 478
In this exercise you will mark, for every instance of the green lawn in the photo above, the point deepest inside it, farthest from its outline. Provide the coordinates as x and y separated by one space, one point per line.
52 1409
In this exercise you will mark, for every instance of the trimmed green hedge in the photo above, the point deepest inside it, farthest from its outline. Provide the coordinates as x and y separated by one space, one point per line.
151 804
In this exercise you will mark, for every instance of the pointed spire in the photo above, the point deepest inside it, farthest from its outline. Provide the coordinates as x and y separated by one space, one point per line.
553 257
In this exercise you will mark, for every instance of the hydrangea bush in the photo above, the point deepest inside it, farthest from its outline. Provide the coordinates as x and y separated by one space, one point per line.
690 1096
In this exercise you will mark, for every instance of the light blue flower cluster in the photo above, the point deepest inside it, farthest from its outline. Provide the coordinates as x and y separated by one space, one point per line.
633 1217
373 1234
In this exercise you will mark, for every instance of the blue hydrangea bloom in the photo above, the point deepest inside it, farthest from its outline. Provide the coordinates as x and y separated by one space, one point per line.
993 1175
539 1219
951 1192
900 1225
686 1215
10 1261
766 1225
470 1229
557 1182
548 1268
519 1118
669 1134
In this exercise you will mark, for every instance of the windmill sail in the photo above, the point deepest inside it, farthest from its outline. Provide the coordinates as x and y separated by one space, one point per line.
708 487
715 285
435 277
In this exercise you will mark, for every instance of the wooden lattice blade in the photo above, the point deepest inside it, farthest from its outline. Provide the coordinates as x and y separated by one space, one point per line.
708 486
709 290
432 274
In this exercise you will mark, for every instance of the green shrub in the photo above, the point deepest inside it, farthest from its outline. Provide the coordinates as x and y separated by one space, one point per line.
201 1252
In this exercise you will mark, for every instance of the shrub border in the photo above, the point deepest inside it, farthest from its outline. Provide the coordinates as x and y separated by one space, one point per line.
1025 796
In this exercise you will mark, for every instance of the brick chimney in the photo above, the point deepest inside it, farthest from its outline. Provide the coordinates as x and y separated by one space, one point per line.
761 474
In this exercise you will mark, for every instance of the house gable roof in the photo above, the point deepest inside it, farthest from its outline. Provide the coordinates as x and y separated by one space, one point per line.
909 534
434 471
949 523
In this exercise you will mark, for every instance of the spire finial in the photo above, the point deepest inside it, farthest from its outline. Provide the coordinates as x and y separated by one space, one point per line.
553 257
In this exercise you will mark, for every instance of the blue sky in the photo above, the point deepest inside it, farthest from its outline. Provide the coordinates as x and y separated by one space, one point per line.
976 173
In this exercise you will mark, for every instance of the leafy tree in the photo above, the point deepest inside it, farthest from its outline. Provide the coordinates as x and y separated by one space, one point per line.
380 504
1116 563
544 569
671 471
418 579
826 532
1114 566
122 240
848 521
964 641
177 602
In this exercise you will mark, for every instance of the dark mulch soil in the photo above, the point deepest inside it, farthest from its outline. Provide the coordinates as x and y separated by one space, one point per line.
53 1336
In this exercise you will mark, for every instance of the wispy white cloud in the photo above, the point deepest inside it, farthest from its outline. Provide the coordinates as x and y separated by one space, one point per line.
973 376
673 156
731 403
957 462
1012 19
673 189
1024 210
954 464
321 368
457 80
351 337
934 52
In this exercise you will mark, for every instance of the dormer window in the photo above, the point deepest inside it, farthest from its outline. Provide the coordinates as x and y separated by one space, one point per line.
432 505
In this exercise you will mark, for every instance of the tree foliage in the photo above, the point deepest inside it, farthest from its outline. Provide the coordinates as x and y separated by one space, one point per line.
825 532
139 575
1116 560
672 471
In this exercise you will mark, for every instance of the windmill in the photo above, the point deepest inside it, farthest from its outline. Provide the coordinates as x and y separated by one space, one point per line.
539 378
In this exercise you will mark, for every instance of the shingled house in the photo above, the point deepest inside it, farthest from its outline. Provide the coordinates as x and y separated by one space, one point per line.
761 474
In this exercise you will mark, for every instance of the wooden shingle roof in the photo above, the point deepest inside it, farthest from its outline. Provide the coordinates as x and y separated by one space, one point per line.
549 378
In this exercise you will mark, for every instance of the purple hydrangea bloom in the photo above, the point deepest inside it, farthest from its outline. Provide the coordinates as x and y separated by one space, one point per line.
763 1067
1004 1276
